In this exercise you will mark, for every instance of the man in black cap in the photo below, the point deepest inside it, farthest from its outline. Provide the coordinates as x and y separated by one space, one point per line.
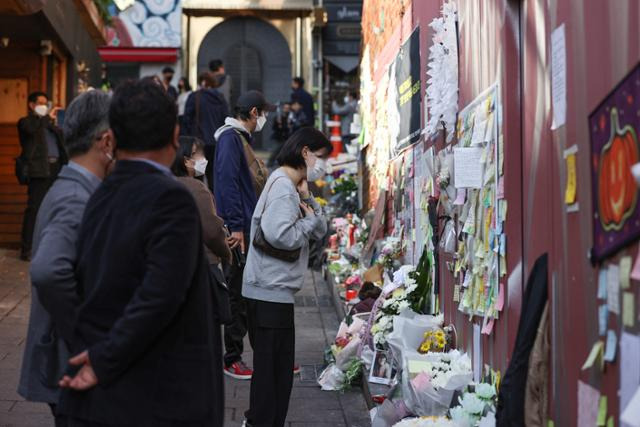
239 177
167 76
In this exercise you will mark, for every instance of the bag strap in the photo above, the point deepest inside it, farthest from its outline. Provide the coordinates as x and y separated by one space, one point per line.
197 94
266 196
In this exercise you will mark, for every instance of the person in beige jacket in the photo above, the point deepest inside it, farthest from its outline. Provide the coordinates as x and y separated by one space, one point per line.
189 167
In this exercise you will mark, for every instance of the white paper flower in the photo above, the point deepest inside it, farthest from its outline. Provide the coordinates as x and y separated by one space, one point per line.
472 403
461 417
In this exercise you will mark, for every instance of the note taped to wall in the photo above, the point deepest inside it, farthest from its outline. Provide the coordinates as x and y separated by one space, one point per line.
571 189
468 168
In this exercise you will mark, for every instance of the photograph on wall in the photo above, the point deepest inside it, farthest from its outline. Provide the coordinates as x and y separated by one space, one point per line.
408 84
613 128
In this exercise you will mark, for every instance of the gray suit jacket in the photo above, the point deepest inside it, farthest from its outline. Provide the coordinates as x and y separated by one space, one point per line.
53 294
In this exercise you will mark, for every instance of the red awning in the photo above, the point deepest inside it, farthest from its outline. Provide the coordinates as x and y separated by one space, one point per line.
138 54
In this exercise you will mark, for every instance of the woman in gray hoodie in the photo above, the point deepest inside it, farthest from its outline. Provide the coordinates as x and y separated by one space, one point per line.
288 217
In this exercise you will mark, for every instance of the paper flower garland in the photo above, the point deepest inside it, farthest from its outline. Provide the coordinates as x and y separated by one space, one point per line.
442 81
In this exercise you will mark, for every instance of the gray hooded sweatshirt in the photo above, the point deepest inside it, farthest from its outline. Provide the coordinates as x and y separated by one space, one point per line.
267 278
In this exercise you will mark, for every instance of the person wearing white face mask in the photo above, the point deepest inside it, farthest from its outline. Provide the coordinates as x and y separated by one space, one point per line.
346 112
189 166
239 176
43 155
286 217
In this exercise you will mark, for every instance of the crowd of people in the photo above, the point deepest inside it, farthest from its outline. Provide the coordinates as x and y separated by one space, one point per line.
154 231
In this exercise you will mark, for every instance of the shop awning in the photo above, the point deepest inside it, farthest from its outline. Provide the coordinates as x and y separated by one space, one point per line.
133 54
345 63
249 4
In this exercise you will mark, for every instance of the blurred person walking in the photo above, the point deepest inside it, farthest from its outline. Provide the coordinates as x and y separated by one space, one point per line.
42 157
286 217
146 338
54 297
346 111
305 99
297 117
184 91
239 179
216 66
281 130
167 77
205 112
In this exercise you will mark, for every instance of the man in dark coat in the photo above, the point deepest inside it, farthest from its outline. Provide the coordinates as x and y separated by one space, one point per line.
305 99
44 154
146 338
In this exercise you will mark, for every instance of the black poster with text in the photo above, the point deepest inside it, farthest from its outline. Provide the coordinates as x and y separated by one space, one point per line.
407 68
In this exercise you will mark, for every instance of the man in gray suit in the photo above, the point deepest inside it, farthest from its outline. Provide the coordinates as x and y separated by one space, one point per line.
54 298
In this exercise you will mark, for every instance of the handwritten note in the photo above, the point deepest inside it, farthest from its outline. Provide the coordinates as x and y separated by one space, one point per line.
487 326
625 272
500 300
500 191
612 346
461 196
558 77
602 412
628 309
588 403
613 288
468 168
479 132
629 367
596 351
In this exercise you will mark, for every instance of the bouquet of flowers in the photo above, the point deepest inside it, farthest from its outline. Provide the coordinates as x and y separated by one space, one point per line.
434 340
426 422
474 405
391 250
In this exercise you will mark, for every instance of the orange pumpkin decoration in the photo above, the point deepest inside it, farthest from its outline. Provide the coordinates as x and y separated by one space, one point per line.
617 192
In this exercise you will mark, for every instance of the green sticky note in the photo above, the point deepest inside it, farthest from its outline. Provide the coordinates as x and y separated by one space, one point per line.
602 411
610 422
550 423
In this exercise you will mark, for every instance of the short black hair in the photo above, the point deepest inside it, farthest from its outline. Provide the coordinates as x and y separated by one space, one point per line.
291 152
215 64
244 113
184 151
299 81
33 96
168 70
142 116
187 86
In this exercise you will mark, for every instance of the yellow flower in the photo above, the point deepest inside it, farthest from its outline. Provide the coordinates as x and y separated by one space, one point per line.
441 342
439 334
322 202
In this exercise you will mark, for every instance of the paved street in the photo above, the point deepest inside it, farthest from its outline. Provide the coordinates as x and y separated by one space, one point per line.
316 324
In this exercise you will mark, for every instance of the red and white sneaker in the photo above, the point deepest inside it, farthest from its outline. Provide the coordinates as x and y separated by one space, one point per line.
239 371
296 369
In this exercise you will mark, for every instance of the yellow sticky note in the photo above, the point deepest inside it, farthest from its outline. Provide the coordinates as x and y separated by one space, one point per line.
602 411
570 192
625 272
628 309
596 351
550 423
610 422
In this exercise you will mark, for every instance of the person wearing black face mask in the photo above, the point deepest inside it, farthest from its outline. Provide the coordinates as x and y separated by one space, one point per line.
54 299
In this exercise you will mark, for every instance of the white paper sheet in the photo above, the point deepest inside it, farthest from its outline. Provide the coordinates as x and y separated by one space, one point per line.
558 77
613 288
477 353
629 367
631 414
468 168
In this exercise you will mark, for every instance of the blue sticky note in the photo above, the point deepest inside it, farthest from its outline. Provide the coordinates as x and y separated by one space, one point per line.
602 283
603 315
612 344
503 244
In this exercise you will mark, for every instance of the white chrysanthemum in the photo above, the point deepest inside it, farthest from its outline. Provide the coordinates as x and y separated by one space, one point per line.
485 391
461 417
472 403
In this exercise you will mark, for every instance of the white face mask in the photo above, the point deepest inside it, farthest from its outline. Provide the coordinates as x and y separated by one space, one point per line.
200 167
318 170
261 121
346 99
41 110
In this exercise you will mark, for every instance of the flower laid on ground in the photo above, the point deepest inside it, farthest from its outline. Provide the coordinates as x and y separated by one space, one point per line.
449 370
391 251
426 422
472 406
434 340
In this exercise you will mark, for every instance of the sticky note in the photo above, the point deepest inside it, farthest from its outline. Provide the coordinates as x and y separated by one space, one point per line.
628 309
596 351
603 318
461 195
612 345
613 288
488 327
588 402
500 300
631 413
635 274
570 191
602 411
602 283
610 422
456 293
500 193
625 271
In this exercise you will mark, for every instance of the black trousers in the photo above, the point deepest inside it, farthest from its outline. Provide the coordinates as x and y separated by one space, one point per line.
37 189
235 332
272 336
60 420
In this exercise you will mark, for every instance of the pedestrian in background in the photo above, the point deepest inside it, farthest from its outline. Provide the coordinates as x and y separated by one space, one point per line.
204 114
54 297
281 130
305 99
286 218
43 155
297 117
216 66
239 179
146 340
167 77
184 90
346 111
